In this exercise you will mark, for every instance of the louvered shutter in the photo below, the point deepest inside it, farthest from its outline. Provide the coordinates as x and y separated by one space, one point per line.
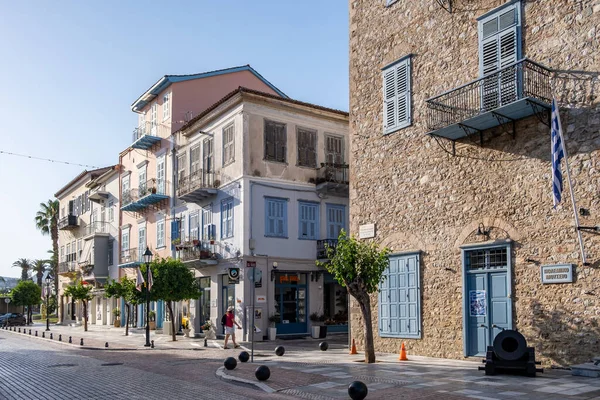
396 95
403 90
390 100
174 232
269 141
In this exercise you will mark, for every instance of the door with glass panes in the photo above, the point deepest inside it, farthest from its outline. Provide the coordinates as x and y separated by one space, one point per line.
291 302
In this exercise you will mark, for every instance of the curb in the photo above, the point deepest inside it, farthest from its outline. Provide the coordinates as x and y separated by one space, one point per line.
262 386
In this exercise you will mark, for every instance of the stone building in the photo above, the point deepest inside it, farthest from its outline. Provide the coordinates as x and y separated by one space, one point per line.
450 110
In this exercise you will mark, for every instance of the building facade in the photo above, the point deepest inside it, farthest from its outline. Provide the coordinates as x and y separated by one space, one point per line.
262 185
88 241
147 208
450 159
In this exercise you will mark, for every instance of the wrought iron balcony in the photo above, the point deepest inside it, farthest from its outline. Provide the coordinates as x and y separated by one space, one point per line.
69 222
514 92
148 134
198 186
97 228
66 267
148 194
323 246
193 252
333 178
131 257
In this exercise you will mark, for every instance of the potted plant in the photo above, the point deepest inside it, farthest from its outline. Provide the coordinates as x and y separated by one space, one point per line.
316 326
273 320
186 328
117 313
152 317
196 242
212 240
177 243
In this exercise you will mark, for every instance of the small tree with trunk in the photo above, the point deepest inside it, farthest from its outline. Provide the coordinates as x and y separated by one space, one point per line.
26 294
173 282
124 289
358 266
82 293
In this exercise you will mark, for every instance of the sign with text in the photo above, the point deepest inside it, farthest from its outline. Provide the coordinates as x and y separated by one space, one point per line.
366 231
234 276
261 299
250 264
560 273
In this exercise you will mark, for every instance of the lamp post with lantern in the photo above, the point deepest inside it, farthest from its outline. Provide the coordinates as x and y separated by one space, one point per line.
48 281
147 260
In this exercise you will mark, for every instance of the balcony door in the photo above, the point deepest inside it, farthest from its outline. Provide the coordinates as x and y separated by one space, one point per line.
160 175
334 157
208 162
195 166
141 242
499 48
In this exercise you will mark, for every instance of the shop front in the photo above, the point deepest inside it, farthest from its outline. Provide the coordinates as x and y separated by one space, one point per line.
290 300
335 305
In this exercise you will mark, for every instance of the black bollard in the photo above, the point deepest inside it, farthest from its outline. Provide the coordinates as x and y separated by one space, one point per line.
244 356
152 344
280 350
51 336
81 342
70 339
30 331
19 330
60 337
230 363
357 390
106 344
262 373
323 346
35 333
43 334
205 342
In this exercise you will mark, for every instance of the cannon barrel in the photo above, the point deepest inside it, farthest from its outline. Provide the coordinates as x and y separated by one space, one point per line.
510 345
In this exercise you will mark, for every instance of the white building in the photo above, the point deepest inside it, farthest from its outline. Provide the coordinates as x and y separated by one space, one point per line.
88 241
262 179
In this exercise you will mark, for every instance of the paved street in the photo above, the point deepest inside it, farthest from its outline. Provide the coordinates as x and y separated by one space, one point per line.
29 366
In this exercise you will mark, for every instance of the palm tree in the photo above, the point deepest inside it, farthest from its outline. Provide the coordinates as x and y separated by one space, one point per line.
39 267
46 220
25 266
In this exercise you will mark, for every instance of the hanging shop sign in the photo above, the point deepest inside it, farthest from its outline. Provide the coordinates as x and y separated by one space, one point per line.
234 276
559 273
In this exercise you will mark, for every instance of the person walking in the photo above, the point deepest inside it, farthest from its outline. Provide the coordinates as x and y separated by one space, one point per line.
229 329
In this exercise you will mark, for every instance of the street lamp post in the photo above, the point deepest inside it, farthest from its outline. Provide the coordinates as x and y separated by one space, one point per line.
147 259
48 280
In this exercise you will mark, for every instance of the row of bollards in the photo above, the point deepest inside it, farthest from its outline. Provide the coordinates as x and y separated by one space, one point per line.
357 390
25 331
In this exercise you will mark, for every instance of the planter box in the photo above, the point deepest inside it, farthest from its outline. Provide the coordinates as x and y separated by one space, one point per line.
272 333
322 332
315 331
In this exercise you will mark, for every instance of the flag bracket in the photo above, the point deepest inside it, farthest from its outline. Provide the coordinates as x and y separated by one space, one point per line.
589 228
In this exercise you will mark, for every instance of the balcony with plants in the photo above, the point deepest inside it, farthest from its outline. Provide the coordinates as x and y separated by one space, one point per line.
517 91
333 178
149 193
198 186
195 252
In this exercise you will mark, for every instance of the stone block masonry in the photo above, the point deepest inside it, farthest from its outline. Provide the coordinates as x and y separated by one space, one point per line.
421 197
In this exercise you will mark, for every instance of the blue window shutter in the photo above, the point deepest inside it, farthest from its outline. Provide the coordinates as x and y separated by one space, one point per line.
403 93
174 232
336 220
397 111
400 298
275 217
308 220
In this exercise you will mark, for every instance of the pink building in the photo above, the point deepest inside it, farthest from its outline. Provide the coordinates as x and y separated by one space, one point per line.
148 168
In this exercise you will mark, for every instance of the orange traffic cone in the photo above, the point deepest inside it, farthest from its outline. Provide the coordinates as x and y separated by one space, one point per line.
353 348
402 353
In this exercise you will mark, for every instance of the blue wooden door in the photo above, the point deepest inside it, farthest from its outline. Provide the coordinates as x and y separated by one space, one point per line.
488 309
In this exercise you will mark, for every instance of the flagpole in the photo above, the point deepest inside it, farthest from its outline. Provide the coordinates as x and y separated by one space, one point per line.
576 217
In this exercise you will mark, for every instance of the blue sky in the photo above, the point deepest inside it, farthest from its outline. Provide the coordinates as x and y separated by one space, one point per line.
71 69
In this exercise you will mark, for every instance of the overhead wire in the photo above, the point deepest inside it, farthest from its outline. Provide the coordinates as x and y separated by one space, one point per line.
47 159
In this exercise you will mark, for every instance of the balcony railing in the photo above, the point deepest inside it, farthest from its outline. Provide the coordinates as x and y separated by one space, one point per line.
67 266
149 134
149 193
201 251
333 178
198 185
68 222
323 245
509 94
97 227
131 256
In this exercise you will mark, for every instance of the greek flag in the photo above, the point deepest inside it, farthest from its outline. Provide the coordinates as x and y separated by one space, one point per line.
139 280
558 153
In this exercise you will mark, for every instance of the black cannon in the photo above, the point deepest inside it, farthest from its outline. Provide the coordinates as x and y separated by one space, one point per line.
510 355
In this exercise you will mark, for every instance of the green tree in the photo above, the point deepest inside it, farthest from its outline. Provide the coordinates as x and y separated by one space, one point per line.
82 293
25 266
46 220
173 282
26 294
359 267
39 267
124 289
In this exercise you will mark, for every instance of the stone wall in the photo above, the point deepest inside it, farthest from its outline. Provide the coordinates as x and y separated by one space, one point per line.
424 198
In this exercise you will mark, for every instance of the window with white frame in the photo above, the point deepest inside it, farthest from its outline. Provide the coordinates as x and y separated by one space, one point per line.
166 106
275 141
194 226
227 218
228 144
153 116
111 211
396 95
125 240
160 232
307 147
194 161
181 170
182 232
208 229
62 253
276 217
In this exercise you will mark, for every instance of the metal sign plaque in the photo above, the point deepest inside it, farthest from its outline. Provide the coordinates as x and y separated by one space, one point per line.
559 273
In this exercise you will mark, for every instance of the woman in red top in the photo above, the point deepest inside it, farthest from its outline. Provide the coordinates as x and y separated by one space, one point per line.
229 329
